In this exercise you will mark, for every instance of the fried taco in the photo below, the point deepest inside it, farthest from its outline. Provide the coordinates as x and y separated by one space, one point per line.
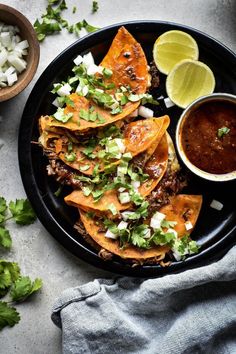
139 136
144 241
111 95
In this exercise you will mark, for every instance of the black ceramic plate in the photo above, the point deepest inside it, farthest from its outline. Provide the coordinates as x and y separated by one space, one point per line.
214 230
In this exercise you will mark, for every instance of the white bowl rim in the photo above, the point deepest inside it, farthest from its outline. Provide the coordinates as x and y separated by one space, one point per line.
206 175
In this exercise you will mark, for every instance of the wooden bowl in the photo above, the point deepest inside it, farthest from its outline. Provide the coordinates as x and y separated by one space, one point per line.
11 16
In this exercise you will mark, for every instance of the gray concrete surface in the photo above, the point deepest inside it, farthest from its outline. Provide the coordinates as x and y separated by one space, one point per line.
37 252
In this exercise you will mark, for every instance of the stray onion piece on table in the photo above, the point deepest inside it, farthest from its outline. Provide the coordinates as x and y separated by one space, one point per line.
122 168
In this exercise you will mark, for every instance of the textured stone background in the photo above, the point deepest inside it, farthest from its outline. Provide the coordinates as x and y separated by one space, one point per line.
37 252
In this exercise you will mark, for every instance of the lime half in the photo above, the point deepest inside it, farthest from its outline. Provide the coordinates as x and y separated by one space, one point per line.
172 47
189 80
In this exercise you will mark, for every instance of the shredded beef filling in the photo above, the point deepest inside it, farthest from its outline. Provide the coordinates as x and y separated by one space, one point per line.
154 72
170 185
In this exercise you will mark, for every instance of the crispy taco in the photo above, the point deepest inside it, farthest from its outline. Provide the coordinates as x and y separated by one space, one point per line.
127 64
139 136
181 210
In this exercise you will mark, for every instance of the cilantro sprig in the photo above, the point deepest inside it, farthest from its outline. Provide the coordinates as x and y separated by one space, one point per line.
21 211
17 287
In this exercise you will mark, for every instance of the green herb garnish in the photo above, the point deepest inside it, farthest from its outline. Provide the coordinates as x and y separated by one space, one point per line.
95 6
222 132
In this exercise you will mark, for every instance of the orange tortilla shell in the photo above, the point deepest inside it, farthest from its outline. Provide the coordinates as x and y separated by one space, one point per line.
153 127
132 71
180 205
113 245
127 61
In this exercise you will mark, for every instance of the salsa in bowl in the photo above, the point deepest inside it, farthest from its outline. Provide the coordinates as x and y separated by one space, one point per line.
206 137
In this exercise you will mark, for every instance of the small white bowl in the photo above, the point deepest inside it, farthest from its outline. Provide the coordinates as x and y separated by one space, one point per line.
197 103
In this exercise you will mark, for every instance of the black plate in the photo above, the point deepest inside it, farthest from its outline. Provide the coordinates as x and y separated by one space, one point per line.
214 230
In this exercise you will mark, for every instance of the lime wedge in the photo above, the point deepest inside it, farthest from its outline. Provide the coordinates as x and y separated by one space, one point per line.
189 80
172 47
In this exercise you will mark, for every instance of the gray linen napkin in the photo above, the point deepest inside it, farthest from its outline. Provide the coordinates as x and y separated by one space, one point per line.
190 312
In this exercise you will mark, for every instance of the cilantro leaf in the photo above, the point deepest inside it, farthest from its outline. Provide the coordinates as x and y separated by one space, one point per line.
5 238
95 6
46 27
24 287
9 273
22 211
89 28
61 116
3 205
137 236
222 131
8 315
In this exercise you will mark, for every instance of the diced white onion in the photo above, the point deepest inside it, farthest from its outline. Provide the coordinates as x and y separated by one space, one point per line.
145 112
172 231
215 204
22 45
11 78
18 63
124 197
3 56
168 102
56 103
156 220
85 90
155 224
10 70
78 60
88 59
135 184
92 69
110 234
121 189
64 90
122 225
177 255
147 233
188 225
120 144
12 49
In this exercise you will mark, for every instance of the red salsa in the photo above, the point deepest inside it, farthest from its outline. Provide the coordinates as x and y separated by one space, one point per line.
209 137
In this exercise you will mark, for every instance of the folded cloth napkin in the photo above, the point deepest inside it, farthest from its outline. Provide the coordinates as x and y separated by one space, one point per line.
190 312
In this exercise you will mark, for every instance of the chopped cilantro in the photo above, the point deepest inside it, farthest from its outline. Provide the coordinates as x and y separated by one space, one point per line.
112 208
84 168
95 6
222 132
58 191
70 157
61 116
74 9
107 73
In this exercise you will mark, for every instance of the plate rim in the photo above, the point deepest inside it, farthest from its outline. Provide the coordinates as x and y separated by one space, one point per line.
44 214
